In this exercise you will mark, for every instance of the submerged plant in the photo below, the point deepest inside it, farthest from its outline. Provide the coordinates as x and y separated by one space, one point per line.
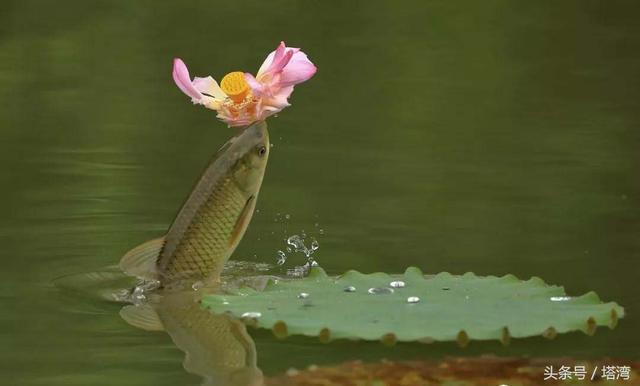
242 98
414 307
482 371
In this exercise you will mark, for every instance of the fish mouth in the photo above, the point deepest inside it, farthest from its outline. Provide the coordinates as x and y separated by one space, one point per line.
258 129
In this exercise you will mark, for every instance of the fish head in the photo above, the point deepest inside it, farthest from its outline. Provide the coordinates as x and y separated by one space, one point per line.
252 151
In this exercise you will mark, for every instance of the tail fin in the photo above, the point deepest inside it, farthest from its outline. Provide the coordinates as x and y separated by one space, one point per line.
141 260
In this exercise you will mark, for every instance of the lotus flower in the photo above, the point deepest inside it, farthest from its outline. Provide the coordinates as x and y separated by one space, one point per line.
241 98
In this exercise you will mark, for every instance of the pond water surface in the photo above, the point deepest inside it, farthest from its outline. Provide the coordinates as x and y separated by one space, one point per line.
495 137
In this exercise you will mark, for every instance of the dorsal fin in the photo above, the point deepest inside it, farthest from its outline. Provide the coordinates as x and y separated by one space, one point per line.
141 260
142 316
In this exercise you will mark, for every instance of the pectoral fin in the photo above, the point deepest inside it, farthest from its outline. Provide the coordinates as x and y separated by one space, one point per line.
141 260
242 221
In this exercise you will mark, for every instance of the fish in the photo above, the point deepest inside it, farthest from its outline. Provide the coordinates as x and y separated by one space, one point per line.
212 220
217 347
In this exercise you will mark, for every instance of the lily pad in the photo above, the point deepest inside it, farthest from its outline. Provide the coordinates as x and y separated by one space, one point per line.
415 307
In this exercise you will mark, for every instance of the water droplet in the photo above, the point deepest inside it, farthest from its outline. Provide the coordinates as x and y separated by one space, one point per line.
225 302
315 245
252 314
350 289
271 145
397 284
560 298
313 263
303 295
197 285
138 295
282 258
287 216
316 225
296 242
380 290
413 299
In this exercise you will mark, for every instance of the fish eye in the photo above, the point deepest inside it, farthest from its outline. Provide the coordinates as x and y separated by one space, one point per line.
262 150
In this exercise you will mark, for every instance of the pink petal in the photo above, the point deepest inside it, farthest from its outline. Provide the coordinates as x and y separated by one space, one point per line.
181 77
276 60
280 99
280 64
208 86
256 87
275 104
298 70
279 54
266 64
267 111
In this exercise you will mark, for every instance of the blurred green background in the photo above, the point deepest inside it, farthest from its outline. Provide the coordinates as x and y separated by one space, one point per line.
495 137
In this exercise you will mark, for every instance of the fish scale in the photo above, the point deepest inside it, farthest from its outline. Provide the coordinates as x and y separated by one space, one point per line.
207 238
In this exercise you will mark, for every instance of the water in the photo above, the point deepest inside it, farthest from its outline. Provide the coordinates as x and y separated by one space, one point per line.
493 137
252 315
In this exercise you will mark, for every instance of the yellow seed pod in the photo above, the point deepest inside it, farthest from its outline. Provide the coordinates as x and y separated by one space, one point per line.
235 86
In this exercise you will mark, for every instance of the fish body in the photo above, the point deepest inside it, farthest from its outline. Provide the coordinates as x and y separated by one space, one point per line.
214 217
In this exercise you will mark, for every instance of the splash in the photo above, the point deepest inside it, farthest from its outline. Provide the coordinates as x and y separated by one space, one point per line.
299 244
296 243
139 294
282 258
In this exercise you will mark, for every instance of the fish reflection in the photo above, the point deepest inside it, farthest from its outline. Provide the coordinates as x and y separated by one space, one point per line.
217 347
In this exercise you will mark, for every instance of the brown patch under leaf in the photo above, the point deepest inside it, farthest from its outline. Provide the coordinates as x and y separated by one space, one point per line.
483 371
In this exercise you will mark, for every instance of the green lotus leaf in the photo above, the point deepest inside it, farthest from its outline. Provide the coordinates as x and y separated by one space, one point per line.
442 307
